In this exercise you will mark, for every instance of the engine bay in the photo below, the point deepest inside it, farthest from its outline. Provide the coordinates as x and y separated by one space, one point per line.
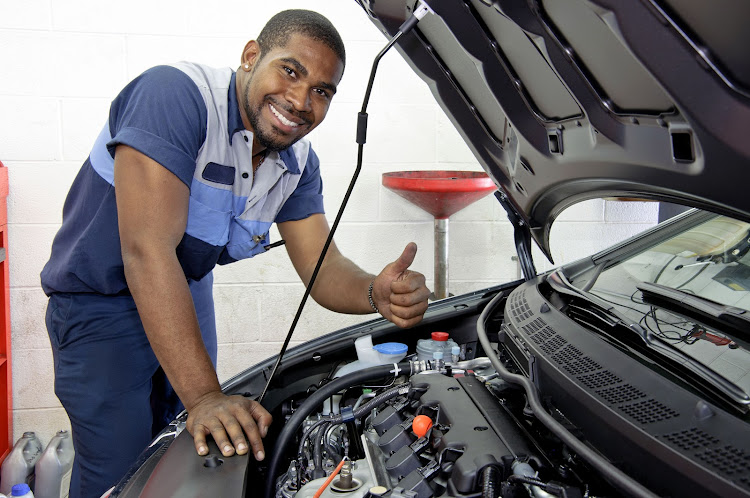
529 403
452 428
498 393
445 426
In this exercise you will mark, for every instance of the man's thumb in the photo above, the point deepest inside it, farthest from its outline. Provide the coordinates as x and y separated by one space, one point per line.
406 259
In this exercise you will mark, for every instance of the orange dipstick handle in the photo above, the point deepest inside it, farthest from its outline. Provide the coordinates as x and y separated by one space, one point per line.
421 424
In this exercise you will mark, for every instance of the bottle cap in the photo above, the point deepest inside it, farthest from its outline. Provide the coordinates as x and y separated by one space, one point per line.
440 336
19 489
456 350
391 348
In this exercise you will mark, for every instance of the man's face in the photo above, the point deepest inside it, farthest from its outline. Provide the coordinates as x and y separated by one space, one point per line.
286 93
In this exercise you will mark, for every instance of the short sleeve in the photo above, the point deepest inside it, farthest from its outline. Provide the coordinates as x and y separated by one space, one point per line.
161 114
307 198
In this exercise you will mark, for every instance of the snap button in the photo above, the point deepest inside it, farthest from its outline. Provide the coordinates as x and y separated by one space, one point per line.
245 175
245 137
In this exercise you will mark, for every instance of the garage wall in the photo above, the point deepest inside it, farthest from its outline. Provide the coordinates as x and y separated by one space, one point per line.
61 63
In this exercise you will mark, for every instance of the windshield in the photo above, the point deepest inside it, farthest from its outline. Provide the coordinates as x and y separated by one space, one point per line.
711 261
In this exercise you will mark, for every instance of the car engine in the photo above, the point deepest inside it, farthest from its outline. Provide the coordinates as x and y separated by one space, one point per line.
440 428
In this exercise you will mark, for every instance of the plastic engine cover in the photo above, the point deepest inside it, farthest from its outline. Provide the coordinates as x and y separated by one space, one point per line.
463 428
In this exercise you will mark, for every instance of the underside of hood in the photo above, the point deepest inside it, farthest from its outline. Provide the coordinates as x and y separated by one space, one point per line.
566 100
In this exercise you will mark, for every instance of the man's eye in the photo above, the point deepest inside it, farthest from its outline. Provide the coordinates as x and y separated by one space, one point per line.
289 71
322 93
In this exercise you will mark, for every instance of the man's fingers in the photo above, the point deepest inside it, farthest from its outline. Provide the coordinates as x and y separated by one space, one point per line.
222 441
412 282
254 434
407 316
406 259
232 421
405 323
417 298
199 438
408 297
236 432
410 311
262 418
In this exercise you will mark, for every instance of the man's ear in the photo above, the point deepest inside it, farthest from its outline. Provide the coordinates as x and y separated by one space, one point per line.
250 55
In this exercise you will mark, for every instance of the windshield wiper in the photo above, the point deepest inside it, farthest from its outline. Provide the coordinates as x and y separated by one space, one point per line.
605 311
722 316
650 341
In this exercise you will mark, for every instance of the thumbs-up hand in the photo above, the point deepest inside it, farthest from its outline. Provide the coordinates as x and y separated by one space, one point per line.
399 293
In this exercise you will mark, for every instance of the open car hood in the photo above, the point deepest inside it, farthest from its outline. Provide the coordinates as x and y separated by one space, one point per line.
566 100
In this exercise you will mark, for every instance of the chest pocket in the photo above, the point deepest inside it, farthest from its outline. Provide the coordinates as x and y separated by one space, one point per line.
218 173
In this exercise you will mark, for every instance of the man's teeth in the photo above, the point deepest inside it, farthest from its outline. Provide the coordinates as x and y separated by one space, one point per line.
282 118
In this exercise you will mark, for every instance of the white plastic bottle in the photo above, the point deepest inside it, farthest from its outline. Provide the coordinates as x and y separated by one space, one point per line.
54 467
370 356
21 491
18 466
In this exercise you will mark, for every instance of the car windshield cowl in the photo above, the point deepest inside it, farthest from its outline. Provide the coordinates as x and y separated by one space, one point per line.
605 317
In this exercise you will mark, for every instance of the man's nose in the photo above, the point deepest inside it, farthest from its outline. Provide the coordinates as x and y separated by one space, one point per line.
299 97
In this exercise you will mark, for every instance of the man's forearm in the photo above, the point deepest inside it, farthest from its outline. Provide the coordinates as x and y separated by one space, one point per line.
166 308
342 286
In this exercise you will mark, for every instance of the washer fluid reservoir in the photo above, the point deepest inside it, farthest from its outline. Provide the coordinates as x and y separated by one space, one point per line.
370 356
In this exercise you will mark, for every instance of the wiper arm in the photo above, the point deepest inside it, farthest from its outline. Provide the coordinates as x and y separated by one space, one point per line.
736 318
560 283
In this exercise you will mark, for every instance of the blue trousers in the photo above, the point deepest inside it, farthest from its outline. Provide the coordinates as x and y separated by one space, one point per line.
110 383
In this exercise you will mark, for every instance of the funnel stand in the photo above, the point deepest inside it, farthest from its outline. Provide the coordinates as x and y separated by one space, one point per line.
441 258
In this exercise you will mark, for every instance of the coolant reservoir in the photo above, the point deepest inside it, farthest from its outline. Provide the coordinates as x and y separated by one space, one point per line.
369 355
438 342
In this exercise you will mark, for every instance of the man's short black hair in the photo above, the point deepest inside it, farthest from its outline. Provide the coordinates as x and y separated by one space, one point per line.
280 27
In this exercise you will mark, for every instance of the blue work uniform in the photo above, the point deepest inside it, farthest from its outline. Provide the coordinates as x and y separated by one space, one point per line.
185 117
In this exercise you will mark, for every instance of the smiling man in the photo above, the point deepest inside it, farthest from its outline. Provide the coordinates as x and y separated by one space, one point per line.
191 170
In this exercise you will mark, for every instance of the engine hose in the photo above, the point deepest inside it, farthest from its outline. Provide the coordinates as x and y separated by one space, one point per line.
311 433
617 477
287 434
307 434
318 452
376 401
330 449
490 482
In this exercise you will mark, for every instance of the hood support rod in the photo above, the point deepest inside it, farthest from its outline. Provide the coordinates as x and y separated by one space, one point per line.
522 236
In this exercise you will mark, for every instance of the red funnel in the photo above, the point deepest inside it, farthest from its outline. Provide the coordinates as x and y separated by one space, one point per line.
440 193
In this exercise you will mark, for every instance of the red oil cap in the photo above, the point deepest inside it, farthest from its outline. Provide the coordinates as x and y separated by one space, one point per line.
421 424
440 336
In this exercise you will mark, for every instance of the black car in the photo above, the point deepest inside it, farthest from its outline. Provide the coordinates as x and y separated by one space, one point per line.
626 373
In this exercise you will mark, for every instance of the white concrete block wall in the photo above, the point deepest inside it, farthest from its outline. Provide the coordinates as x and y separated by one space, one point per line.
61 63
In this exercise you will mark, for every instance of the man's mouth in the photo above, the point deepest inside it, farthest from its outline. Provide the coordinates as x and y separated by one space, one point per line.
284 120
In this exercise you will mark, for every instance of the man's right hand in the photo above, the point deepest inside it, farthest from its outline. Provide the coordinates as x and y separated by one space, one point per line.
228 419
